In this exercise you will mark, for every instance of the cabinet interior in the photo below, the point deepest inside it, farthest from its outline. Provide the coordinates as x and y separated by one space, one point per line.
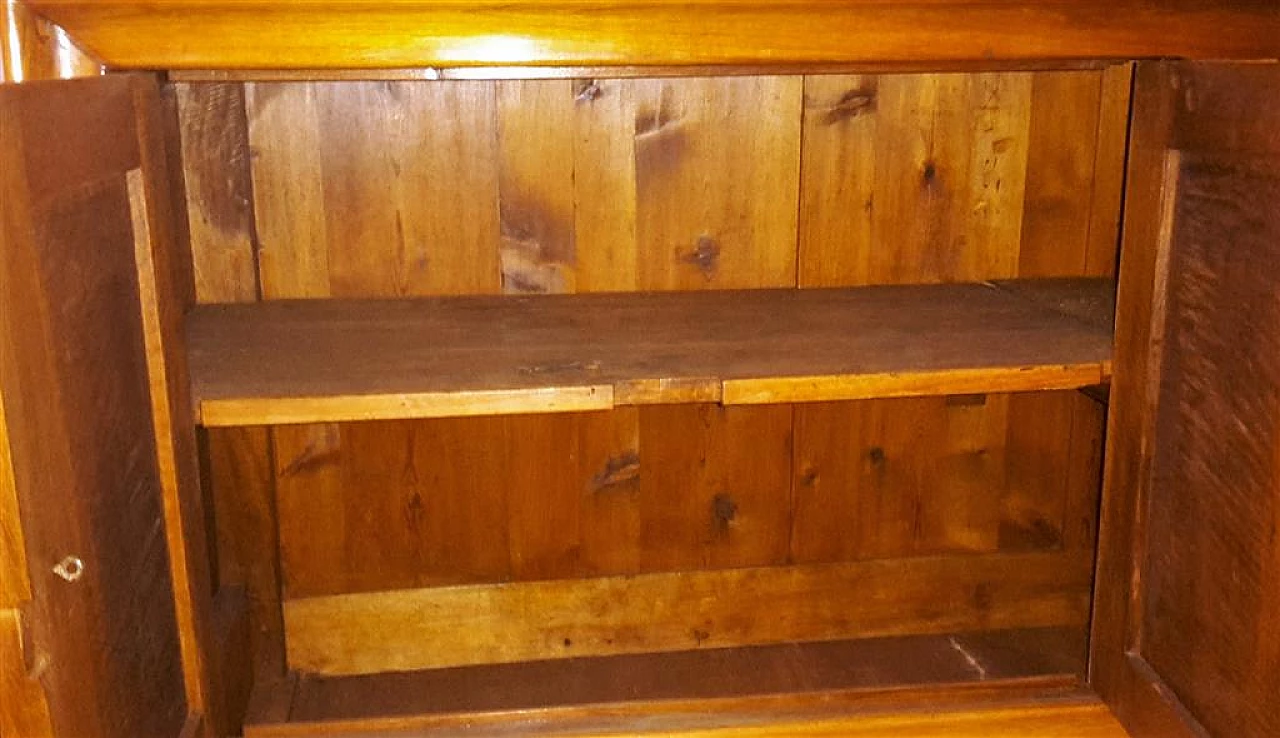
533 394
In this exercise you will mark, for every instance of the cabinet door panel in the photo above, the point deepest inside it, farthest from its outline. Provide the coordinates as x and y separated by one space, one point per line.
1187 625
101 632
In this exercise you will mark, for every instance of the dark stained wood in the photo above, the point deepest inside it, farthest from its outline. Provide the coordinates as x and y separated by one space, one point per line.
313 361
73 374
358 34
1185 640
693 675
1216 447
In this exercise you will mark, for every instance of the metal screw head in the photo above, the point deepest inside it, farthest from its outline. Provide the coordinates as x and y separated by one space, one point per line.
70 568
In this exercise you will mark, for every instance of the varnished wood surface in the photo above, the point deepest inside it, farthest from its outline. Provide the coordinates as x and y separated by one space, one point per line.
672 611
32 48
317 361
364 34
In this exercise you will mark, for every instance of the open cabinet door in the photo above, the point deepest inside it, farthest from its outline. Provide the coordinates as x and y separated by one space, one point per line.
1187 618
94 644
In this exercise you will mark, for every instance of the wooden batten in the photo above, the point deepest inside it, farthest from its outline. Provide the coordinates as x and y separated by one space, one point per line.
418 629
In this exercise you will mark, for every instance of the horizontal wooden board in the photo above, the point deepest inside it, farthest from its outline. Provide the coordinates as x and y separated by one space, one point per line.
447 626
315 361
412 33
550 690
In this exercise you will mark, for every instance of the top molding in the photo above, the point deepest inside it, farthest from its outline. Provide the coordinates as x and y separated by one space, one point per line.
389 34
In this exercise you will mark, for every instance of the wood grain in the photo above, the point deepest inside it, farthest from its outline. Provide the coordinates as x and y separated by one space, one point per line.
1215 456
317 361
943 178
357 33
321 154
77 407
1192 420
424 628
35 49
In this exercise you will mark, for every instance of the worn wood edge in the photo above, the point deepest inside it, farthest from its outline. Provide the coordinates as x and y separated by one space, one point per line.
192 628
513 73
983 380
677 716
216 413
406 630
403 406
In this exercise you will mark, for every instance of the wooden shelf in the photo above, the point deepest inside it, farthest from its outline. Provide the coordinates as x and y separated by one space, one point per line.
339 360
684 691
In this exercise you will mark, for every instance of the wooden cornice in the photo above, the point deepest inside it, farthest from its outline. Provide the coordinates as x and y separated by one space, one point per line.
388 34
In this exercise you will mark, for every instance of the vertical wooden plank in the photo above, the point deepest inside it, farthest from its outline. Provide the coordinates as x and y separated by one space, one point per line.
717 172
1078 126
219 187
940 200
409 173
990 226
370 189
285 148
604 185
1109 170
536 131
219 200
713 488
1060 179
838 180
717 198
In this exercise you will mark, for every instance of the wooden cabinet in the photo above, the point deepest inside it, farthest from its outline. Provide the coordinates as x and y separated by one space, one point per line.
503 375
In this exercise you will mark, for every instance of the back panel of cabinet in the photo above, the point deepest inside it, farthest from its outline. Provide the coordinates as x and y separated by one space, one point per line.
960 513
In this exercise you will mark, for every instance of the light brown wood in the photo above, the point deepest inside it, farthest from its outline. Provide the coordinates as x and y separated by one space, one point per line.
315 361
35 49
24 711
415 629
361 33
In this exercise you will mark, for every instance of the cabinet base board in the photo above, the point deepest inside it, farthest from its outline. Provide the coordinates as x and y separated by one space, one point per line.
693 692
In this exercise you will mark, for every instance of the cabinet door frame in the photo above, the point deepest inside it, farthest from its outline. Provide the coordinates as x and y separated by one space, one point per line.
95 287
1181 110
